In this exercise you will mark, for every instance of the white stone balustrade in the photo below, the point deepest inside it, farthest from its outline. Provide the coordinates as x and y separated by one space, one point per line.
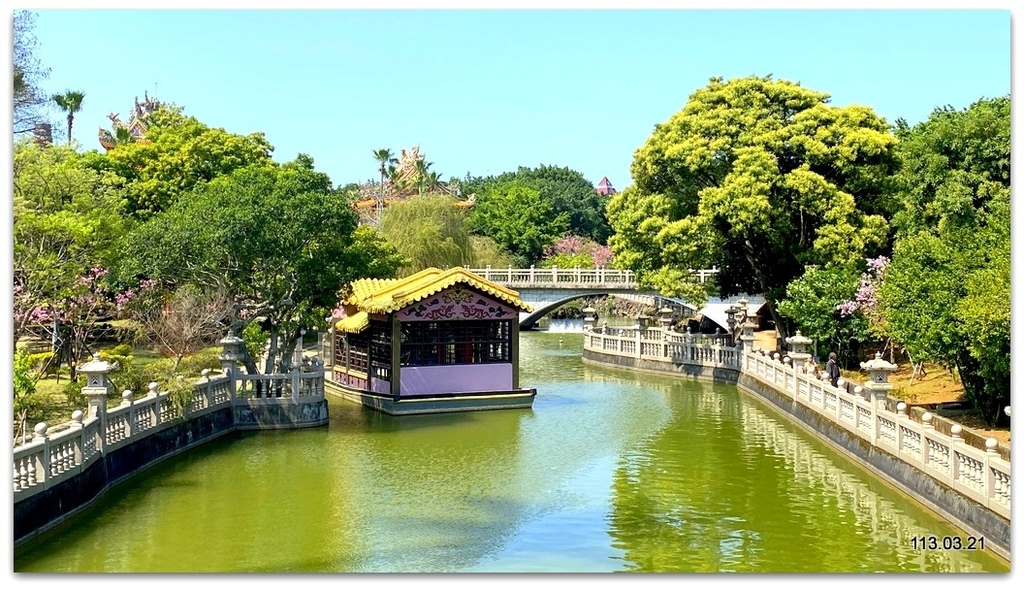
980 474
52 457
570 277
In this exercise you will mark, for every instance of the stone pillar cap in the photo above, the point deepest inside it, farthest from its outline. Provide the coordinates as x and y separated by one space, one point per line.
96 366
798 338
230 339
878 364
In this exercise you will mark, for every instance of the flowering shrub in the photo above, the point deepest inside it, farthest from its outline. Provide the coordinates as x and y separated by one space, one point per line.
865 300
572 251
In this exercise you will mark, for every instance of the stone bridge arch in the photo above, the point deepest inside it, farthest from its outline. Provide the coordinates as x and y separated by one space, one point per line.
545 301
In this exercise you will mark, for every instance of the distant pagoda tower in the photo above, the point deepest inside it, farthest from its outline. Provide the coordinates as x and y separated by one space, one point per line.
132 131
605 188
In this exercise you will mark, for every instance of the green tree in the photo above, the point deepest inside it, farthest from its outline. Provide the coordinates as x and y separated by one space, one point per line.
66 223
25 400
946 294
180 154
952 164
70 102
429 231
518 219
28 74
758 178
565 189
277 238
813 302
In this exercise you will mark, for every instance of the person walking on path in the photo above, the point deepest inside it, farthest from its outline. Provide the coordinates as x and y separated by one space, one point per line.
832 369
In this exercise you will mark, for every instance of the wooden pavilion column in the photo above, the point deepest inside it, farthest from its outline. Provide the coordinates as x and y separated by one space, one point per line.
513 351
396 356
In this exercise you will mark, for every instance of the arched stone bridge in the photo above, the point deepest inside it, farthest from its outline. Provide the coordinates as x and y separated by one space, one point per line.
547 289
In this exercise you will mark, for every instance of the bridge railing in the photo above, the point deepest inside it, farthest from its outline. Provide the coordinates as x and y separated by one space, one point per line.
570 277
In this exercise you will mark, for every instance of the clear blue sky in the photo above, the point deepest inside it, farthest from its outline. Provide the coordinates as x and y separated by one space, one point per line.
488 91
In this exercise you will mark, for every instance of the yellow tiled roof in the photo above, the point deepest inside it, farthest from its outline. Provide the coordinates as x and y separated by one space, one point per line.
388 295
354 323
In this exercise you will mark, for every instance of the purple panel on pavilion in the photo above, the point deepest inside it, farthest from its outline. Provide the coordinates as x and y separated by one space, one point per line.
456 303
456 379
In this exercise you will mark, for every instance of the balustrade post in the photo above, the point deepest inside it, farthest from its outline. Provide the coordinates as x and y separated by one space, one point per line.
77 443
487 273
42 463
955 440
296 373
154 390
126 401
901 417
926 427
991 452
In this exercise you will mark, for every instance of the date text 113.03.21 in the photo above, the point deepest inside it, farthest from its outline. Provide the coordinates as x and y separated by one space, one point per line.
922 542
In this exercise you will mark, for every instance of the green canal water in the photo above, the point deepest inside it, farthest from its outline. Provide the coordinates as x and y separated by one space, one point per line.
611 471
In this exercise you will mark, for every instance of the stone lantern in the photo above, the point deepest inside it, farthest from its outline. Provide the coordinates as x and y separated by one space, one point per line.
642 321
231 346
798 349
231 354
589 318
665 318
730 318
878 385
97 385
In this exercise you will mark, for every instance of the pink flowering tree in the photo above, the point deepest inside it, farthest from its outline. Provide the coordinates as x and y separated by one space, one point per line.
818 303
70 319
576 251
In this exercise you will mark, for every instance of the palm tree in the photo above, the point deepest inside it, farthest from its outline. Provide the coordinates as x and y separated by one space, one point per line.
422 181
71 103
385 157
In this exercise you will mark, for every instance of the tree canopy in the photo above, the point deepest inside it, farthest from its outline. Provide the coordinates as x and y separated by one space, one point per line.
180 154
566 190
66 223
277 238
758 178
29 100
518 219
430 231
946 295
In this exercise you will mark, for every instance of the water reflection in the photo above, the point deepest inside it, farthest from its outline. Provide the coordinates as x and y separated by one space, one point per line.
611 470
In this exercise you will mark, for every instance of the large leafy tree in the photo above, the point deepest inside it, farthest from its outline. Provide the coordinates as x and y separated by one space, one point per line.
946 294
278 239
70 102
566 190
180 154
759 178
518 219
66 223
29 100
